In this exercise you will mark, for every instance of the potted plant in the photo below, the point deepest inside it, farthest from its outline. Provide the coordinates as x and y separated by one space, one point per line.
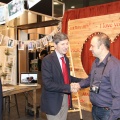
4 74
7 52
10 66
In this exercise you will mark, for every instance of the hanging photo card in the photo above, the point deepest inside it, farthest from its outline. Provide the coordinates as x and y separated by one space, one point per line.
20 45
49 38
15 8
30 46
2 14
38 44
10 43
44 41
34 45
31 3
41 44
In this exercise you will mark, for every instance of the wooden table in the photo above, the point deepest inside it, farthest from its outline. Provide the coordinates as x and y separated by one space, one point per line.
21 89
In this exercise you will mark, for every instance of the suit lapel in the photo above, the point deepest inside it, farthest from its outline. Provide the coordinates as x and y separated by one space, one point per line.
56 61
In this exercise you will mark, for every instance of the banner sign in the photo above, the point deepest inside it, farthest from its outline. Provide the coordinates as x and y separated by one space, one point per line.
3 14
15 9
78 32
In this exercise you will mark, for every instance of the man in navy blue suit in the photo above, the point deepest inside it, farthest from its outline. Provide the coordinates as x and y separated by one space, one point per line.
55 92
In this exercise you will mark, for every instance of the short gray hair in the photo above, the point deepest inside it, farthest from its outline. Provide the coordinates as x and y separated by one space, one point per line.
59 37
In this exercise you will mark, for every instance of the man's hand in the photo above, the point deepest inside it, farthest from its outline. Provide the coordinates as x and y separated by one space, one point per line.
74 87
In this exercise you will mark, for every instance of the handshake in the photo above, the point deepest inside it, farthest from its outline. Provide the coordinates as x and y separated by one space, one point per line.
75 87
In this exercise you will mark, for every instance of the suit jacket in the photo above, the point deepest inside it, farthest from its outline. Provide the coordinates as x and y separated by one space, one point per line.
53 84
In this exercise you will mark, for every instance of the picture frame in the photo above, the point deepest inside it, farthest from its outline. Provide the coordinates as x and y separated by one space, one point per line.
21 45
10 43
30 46
38 44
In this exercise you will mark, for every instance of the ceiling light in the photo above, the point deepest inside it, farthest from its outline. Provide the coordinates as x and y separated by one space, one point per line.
55 3
72 6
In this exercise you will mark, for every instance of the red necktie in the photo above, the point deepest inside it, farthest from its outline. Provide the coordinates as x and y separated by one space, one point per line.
65 75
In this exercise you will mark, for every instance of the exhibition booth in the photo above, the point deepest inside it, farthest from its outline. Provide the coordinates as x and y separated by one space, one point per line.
17 44
81 25
22 38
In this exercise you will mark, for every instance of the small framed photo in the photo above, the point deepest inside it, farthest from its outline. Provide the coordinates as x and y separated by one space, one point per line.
44 41
10 43
20 45
38 44
30 46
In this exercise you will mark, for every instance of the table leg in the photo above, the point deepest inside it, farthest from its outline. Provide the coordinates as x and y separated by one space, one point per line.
34 103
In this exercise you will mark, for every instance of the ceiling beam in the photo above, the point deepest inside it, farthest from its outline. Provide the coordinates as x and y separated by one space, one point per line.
38 25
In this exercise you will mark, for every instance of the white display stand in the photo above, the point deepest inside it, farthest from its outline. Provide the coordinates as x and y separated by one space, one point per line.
8 65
